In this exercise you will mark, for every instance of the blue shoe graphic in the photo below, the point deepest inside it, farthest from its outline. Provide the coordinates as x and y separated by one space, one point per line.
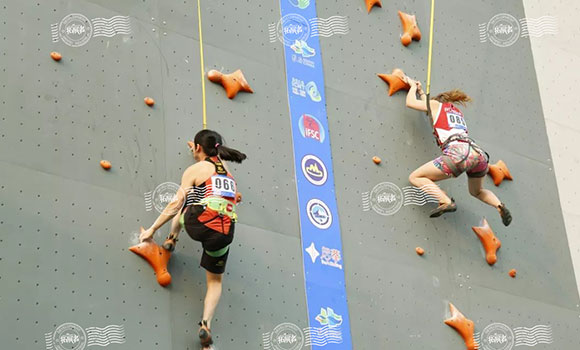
307 51
297 47
329 318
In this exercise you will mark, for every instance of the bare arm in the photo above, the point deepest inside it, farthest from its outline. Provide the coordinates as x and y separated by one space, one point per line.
419 104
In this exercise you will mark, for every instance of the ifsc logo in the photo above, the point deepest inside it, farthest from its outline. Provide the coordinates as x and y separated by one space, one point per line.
319 213
314 170
311 128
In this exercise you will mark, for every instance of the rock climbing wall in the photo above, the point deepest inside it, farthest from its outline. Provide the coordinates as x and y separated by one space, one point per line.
66 224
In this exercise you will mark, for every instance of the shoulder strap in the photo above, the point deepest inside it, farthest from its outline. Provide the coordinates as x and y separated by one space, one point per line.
219 167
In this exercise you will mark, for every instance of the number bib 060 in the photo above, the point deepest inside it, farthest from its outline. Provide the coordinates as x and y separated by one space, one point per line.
223 186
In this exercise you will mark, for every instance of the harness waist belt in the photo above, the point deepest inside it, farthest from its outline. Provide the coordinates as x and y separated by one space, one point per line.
221 205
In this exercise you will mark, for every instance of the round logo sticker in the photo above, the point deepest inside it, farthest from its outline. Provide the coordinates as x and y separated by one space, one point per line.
503 30
292 28
163 195
287 336
69 336
497 336
311 128
319 213
314 170
75 30
301 4
386 198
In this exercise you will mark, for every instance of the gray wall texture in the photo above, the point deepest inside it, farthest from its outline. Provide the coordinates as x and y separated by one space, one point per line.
65 224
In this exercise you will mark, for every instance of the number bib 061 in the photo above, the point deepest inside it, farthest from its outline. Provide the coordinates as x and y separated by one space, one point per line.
223 186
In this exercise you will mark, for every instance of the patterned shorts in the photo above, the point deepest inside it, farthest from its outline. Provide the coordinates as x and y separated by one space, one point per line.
452 162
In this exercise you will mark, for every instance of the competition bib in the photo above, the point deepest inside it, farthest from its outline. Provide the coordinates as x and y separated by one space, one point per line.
456 121
223 186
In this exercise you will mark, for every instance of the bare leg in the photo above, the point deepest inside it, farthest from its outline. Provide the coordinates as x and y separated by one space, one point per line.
424 178
212 297
476 189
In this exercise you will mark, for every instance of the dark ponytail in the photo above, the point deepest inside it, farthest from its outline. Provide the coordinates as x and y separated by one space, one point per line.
212 144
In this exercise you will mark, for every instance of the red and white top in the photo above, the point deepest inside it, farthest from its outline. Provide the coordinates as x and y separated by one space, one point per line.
448 121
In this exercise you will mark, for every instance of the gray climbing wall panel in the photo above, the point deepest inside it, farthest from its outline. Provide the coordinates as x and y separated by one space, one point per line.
65 224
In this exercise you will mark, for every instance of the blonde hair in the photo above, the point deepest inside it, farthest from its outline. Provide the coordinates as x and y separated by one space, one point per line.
453 96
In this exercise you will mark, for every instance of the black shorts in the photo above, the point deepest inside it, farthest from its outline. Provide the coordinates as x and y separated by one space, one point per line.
215 244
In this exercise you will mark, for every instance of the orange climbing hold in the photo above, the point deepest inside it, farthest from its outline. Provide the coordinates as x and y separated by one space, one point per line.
420 251
56 56
463 326
372 3
376 160
499 171
105 164
157 257
489 241
410 29
233 83
149 101
512 273
238 197
397 80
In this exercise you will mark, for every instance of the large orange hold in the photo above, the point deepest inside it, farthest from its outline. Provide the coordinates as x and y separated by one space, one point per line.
157 257
499 171
372 3
410 28
489 241
105 164
396 80
232 83
463 326
56 56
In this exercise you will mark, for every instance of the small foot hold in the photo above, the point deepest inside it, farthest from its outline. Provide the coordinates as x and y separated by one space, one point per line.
512 273
506 216
444 208
232 83
105 164
377 160
149 101
170 242
205 335
56 56
420 251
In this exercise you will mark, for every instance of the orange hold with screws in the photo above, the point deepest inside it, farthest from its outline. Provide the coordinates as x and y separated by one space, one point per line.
420 251
105 164
376 160
512 273
56 56
149 101
238 197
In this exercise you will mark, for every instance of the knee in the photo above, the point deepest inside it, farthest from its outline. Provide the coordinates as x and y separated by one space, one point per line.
475 192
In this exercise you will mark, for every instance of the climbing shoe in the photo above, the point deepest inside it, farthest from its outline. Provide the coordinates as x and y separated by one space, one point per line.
204 335
506 216
443 208
169 243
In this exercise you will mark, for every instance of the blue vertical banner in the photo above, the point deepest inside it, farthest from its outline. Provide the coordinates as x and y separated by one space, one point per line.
329 324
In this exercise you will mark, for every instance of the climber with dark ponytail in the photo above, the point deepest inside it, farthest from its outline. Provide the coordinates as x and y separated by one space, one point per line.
205 206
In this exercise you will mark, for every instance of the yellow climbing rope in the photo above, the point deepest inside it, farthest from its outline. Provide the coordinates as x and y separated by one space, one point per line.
204 114
430 56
